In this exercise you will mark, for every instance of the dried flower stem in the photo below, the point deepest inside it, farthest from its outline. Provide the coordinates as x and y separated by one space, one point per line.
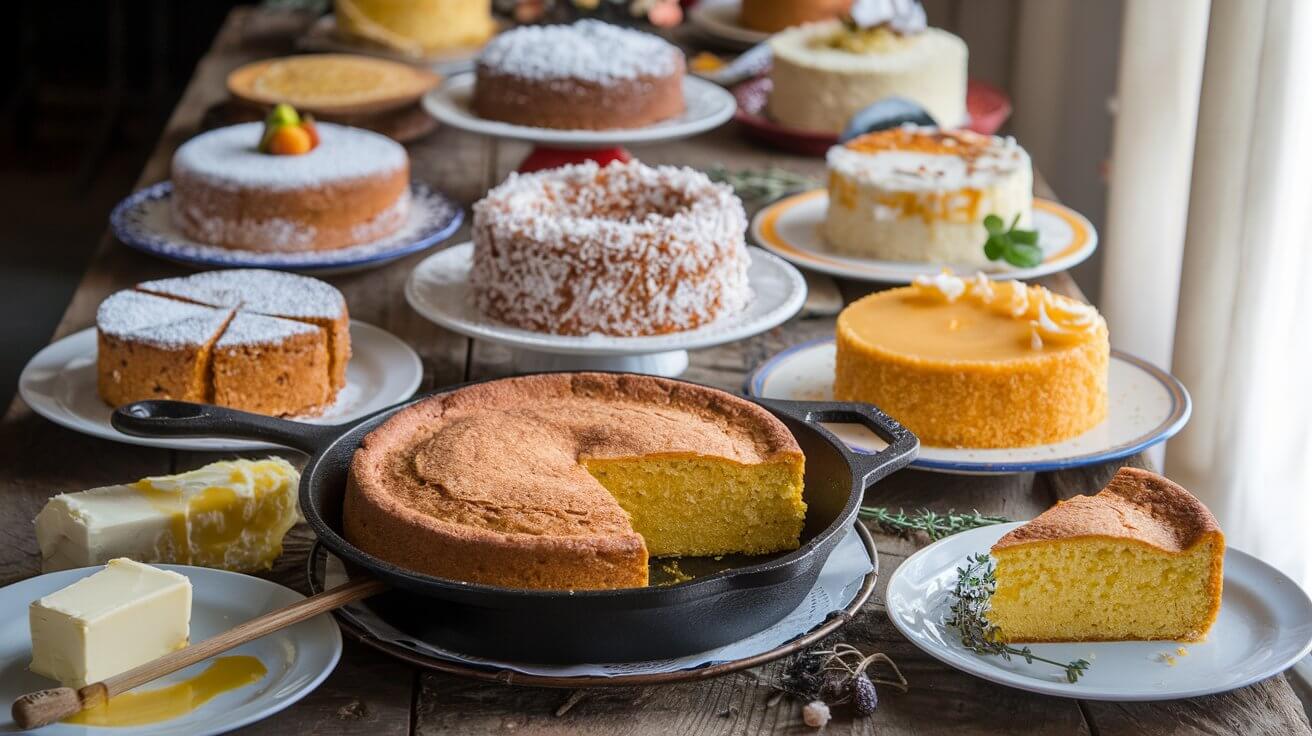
933 524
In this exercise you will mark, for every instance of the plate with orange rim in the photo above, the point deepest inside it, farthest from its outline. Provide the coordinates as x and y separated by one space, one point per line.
791 229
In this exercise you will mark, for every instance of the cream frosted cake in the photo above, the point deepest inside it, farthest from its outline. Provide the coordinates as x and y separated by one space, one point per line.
825 72
921 194
352 187
627 249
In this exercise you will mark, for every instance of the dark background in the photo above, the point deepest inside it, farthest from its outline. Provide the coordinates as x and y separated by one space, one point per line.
87 88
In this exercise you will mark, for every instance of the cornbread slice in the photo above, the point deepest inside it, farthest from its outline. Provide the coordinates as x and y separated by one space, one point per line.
272 366
1141 560
976 363
570 481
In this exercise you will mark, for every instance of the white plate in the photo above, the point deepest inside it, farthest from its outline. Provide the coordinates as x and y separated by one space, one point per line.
142 221
298 658
59 383
1146 405
439 290
1264 627
709 107
719 19
791 228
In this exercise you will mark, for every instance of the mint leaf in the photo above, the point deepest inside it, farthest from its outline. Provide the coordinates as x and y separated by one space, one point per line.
1023 255
1026 237
994 225
995 248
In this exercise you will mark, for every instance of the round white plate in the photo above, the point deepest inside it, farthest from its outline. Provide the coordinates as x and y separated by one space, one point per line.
1146 405
1264 627
59 383
298 658
709 106
791 228
439 290
719 19
142 222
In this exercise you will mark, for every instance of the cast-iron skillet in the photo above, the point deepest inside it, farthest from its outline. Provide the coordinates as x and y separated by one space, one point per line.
583 626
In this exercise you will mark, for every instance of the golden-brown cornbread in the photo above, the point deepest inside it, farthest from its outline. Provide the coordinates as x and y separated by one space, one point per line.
492 483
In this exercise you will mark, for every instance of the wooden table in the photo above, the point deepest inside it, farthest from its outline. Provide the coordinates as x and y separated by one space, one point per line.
372 694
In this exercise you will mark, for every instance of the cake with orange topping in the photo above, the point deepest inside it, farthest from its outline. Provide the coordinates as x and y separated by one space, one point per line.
625 249
1141 560
976 363
772 16
352 188
586 76
824 73
571 481
921 194
263 341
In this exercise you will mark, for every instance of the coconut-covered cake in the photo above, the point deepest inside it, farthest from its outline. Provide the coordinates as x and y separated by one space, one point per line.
586 76
626 249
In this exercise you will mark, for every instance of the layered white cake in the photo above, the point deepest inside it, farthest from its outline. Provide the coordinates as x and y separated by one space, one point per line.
921 194
825 72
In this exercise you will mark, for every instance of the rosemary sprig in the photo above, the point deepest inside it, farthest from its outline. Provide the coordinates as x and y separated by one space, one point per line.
1018 247
933 524
762 184
973 591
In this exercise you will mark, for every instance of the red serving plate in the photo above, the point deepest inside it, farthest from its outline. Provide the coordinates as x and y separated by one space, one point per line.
987 106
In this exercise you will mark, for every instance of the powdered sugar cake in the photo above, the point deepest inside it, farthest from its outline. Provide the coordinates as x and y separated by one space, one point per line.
263 341
627 249
353 188
586 76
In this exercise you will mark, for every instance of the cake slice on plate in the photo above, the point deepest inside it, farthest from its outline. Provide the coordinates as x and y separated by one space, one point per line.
1141 560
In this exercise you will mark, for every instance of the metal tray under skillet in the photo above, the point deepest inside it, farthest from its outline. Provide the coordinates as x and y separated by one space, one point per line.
711 610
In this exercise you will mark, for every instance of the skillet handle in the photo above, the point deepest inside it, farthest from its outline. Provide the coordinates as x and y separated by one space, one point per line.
160 418
903 446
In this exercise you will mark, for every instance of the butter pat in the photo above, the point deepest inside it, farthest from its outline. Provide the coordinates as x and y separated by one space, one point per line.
231 515
109 622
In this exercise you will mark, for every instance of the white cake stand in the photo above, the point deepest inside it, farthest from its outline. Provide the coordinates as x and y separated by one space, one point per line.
708 107
438 289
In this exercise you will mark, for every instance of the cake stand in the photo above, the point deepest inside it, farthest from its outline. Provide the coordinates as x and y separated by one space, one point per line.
439 290
708 107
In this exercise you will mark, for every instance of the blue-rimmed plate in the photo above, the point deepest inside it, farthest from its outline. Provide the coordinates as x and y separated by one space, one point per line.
1146 405
142 221
296 658
1264 627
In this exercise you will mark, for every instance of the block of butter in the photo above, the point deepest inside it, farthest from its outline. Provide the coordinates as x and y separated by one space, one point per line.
111 621
231 514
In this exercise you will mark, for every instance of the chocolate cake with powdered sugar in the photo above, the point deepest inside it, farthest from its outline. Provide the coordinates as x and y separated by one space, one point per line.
586 76
352 188
262 341
626 249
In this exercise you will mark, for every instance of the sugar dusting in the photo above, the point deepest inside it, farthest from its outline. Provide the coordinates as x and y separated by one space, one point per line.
259 290
257 329
623 250
228 158
588 50
153 320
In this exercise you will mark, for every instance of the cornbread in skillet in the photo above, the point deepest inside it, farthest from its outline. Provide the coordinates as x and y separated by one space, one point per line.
1141 560
974 362
570 481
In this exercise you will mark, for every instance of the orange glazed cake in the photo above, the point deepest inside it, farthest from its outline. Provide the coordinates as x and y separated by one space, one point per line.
351 188
1141 560
976 363
571 481
625 249
263 341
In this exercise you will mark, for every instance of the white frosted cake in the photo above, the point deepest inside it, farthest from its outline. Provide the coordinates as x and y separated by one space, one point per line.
352 188
825 72
921 194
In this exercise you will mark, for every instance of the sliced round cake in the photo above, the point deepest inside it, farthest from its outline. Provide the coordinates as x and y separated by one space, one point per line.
976 363
586 76
351 188
921 194
263 341
772 16
626 249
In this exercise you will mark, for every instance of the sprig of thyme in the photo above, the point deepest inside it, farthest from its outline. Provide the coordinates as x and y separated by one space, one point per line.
1018 247
932 523
973 591
762 184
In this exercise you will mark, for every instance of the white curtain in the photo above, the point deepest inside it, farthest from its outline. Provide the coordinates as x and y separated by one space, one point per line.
1223 233
1243 340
